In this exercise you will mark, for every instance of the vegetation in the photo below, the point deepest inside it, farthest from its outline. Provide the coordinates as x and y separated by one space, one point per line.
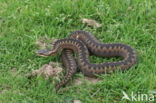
23 22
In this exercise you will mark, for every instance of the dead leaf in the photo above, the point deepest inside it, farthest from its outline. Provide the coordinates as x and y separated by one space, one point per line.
130 8
77 101
13 70
4 88
3 91
80 81
48 70
44 42
92 80
41 44
91 22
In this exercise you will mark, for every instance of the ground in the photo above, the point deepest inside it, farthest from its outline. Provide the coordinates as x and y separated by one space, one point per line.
23 22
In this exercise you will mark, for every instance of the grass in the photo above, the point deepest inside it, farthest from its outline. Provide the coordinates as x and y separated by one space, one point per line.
23 22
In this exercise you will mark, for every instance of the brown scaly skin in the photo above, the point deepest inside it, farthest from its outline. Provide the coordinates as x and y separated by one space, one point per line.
68 61
83 43
70 65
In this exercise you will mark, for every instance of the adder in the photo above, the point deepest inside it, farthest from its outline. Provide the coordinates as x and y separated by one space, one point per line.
84 44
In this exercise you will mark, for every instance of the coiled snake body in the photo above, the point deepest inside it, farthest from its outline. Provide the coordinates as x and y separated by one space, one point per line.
83 44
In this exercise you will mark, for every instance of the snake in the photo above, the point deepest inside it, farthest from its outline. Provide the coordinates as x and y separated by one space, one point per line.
84 44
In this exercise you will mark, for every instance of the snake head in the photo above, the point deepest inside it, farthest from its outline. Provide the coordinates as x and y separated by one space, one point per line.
45 52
